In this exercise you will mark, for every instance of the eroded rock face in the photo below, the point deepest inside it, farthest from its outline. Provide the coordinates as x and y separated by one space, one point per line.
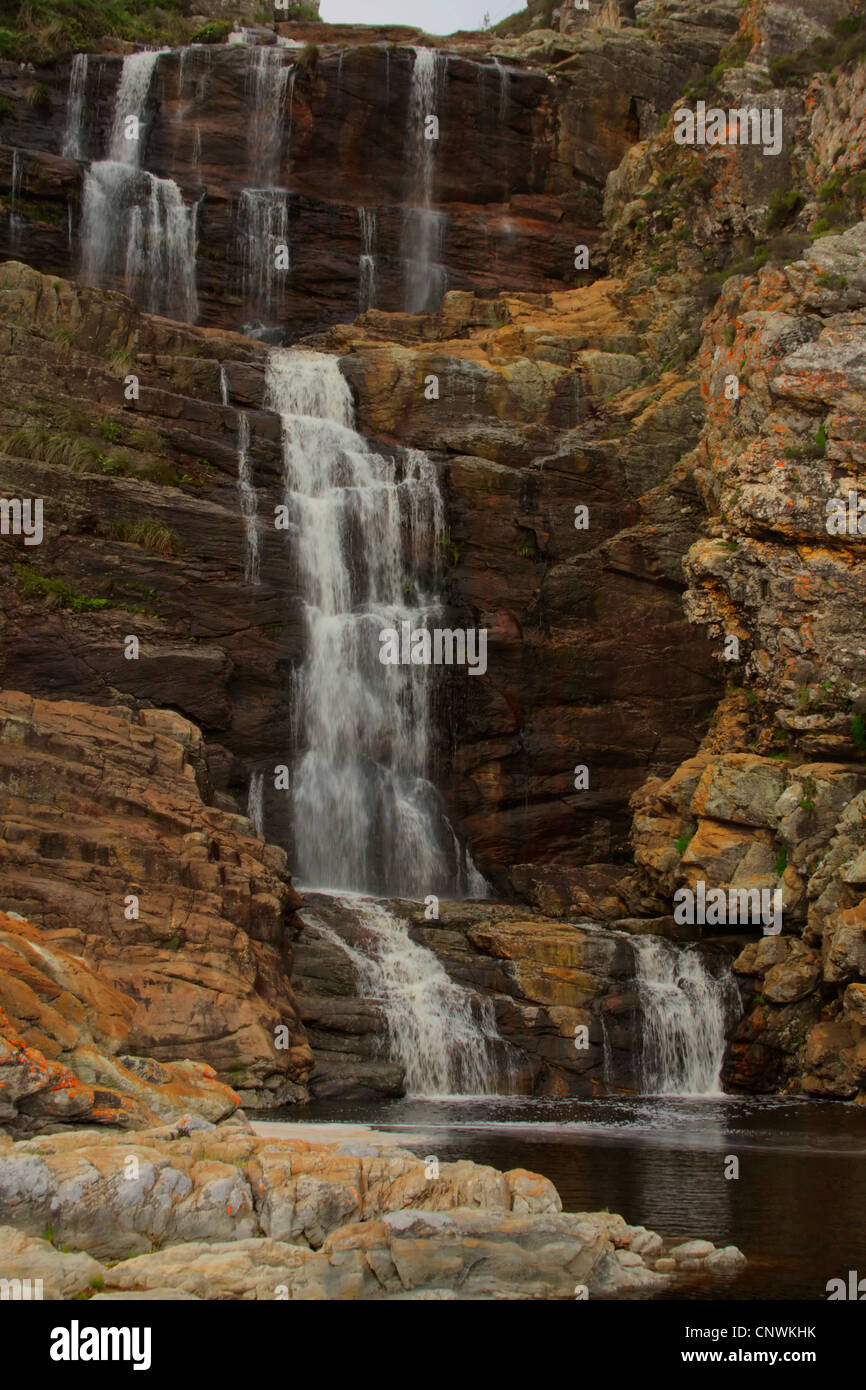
769 802
63 1032
773 574
111 849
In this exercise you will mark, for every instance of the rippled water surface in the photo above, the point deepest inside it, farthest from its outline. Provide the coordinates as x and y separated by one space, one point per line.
797 1209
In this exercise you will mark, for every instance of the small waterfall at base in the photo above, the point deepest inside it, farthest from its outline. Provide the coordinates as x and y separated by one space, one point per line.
363 530
444 1036
685 1010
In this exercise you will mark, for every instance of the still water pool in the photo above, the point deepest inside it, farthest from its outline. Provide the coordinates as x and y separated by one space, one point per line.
797 1209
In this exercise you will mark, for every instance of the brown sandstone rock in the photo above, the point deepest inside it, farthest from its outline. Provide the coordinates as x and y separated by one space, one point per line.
98 808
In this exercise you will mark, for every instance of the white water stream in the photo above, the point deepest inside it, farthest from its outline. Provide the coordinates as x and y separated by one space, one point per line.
443 1035
685 1009
137 233
73 132
364 530
425 277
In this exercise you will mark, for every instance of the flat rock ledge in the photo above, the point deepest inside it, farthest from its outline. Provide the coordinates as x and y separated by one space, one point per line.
200 1211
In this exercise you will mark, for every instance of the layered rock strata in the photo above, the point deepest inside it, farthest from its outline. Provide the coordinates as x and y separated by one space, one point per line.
110 845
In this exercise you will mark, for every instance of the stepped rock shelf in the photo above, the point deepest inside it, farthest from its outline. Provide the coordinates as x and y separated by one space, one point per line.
286 374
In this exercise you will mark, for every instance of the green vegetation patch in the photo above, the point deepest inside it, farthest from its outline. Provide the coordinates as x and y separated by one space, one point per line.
40 31
152 535
537 15
53 592
846 45
80 444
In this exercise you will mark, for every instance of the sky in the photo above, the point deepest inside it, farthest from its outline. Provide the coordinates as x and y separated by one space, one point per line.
434 16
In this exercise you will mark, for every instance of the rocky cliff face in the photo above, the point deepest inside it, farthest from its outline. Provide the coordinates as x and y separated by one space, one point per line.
556 390
109 846
62 1031
772 799
527 136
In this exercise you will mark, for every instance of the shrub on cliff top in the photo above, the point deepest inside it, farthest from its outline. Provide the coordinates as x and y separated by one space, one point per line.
537 15
42 30
215 32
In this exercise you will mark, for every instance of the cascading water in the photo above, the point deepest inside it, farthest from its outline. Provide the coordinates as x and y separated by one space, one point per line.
268 79
367 260
443 1035
362 529
14 220
73 134
256 801
685 1010
248 502
136 230
263 208
263 234
504 87
425 278
130 101
249 516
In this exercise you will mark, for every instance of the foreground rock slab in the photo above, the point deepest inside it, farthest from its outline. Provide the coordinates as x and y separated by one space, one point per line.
211 1212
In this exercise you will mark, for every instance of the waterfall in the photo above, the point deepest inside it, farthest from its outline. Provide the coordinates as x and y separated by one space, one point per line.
268 78
73 134
249 512
126 139
248 502
425 278
14 194
256 802
443 1035
160 255
263 234
367 260
136 231
263 210
504 87
362 528
684 1010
